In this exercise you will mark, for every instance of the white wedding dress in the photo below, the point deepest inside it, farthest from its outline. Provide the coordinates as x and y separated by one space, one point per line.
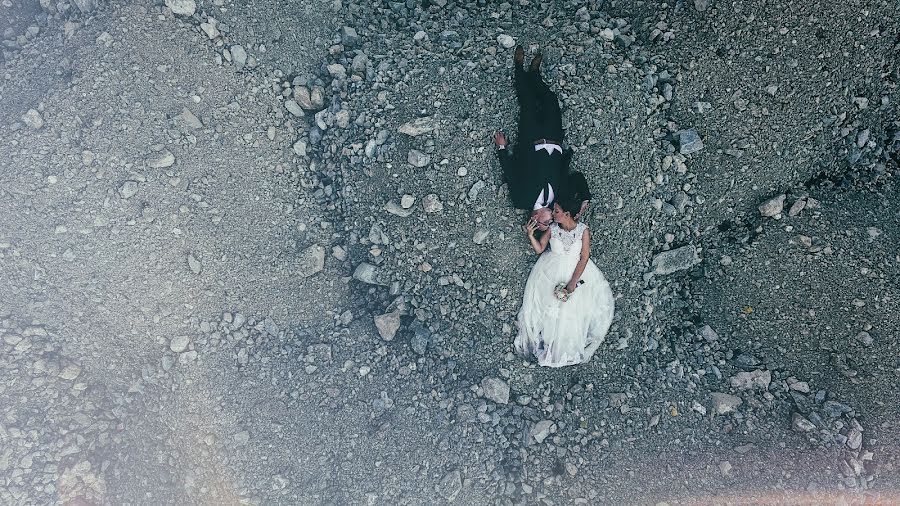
563 333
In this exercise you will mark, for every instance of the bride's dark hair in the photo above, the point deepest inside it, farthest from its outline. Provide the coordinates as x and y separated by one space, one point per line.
569 204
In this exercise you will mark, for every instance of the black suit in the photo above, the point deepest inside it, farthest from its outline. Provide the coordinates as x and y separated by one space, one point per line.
527 171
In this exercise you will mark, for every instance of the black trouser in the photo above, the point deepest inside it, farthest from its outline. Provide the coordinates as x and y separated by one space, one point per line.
539 113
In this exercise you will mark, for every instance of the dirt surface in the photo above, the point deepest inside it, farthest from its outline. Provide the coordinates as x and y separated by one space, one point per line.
261 252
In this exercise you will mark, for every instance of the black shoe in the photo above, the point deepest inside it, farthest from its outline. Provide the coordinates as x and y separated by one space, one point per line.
536 63
519 57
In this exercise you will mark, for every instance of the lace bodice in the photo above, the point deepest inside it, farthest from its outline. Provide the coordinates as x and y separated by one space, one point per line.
565 241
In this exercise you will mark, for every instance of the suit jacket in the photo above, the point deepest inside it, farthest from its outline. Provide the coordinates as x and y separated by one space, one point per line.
527 172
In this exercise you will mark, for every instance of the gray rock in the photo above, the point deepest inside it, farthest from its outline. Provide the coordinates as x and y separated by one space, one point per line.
420 339
689 141
387 325
451 485
752 380
725 403
417 158
397 209
418 126
161 160
190 119
182 7
85 6
299 148
675 260
773 206
854 439
480 236
495 389
194 264
349 37
238 56
801 424
294 108
701 5
359 64
128 189
432 204
179 344
541 430
407 201
33 119
366 273
311 261
708 334
865 338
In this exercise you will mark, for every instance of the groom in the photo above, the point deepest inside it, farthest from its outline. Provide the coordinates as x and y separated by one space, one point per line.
537 173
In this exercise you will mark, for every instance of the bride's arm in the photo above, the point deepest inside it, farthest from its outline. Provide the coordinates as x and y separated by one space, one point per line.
582 262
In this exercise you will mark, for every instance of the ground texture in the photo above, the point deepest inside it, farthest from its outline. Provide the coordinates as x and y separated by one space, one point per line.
261 253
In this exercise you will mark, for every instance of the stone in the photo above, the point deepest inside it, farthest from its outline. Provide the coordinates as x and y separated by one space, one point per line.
505 41
708 334
854 439
725 403
337 71
366 273
865 338
480 236
299 148
70 372
387 325
450 485
128 189
541 430
751 380
194 264
495 389
407 201
182 7
190 119
293 108
675 260
349 37
86 6
689 141
238 56
418 126
33 119
311 261
210 30
773 206
432 204
701 5
359 64
417 158
397 209
420 339
798 206
161 160
179 344
800 424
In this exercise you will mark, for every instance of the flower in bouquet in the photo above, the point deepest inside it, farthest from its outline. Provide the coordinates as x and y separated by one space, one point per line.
561 293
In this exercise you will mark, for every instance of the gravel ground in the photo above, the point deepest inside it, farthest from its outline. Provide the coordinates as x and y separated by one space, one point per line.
261 252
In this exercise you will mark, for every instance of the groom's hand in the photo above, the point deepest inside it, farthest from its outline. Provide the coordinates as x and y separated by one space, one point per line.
500 139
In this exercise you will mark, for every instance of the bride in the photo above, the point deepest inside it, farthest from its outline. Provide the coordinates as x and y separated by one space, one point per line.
563 326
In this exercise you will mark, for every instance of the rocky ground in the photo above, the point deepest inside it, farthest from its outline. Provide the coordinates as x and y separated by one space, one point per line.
260 252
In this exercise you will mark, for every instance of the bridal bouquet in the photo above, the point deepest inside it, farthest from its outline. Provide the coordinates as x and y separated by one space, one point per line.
561 293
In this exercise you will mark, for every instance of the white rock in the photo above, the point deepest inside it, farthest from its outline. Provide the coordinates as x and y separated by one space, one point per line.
418 126
33 119
311 261
506 41
417 158
182 7
238 56
128 189
495 389
725 403
194 264
432 204
541 430
407 201
772 206
179 344
161 160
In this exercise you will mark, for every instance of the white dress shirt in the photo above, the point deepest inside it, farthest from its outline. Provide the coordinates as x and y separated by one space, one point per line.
549 147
